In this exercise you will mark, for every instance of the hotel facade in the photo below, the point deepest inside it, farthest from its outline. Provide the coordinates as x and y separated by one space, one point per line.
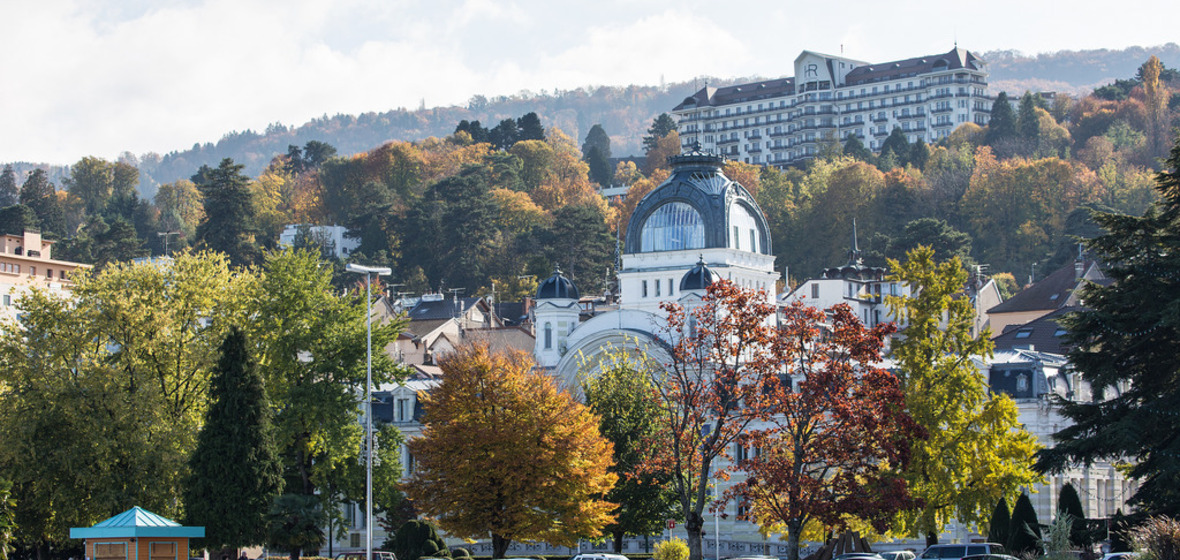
786 121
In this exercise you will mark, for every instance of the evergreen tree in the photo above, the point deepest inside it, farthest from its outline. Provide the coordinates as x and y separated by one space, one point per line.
596 153
1002 124
662 126
477 131
1024 533
229 222
529 127
919 153
504 135
579 242
596 138
40 195
1027 121
9 194
315 153
236 473
1119 540
997 529
1070 505
450 232
416 539
898 145
15 219
855 148
1127 338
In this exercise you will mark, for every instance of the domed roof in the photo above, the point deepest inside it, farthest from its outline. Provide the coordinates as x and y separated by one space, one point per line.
557 287
698 207
698 277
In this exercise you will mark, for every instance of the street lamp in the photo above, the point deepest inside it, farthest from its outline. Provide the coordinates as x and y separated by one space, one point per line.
368 271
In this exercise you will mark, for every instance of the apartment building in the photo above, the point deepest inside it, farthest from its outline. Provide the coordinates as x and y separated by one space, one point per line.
786 121
26 261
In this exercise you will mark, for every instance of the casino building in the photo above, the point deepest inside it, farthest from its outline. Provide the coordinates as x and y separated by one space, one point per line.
785 121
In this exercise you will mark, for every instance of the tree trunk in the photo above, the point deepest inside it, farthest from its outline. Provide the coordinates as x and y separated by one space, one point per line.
694 525
499 546
931 538
794 528
618 542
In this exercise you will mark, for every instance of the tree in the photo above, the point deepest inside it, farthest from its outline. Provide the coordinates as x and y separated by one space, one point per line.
708 393
7 518
9 194
580 242
975 452
1155 101
504 452
17 218
1028 124
1123 349
504 135
228 225
898 145
997 528
295 523
621 396
596 138
919 154
1069 506
236 474
1002 124
91 181
662 126
417 538
836 418
596 153
1024 534
856 149
529 127
40 195
946 241
451 230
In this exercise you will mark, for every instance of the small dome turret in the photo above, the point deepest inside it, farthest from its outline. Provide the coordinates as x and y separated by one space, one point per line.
698 277
557 287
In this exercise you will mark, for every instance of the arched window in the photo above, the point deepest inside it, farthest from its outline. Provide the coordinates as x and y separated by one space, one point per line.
674 226
548 336
744 226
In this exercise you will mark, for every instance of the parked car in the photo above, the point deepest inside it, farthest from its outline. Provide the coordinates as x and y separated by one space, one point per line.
599 556
958 551
377 555
1119 556
898 555
989 557
859 556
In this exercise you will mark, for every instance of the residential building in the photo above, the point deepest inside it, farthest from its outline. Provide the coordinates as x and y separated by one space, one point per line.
1057 291
26 261
334 239
786 121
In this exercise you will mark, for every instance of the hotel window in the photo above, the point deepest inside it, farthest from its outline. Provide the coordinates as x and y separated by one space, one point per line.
669 286
657 288
645 288
549 329
815 291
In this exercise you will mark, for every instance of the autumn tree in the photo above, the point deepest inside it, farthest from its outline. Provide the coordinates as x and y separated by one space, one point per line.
504 452
181 210
235 466
1124 348
837 420
975 452
708 393
1155 97
621 395
661 127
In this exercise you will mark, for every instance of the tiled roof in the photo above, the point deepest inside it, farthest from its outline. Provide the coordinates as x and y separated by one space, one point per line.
1054 292
712 96
447 308
1043 334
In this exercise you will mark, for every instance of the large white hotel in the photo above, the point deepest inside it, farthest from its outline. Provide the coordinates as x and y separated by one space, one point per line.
784 121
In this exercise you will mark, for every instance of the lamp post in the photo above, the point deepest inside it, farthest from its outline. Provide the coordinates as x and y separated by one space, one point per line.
368 271
165 235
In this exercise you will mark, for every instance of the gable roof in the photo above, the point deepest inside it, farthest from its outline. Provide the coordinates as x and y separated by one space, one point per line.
445 308
1057 290
1043 334
956 59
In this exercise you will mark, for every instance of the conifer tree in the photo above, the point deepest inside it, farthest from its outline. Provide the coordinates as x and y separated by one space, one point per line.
997 531
1025 531
529 127
40 195
662 126
1069 504
236 474
1002 125
1127 338
9 194
229 223
1027 121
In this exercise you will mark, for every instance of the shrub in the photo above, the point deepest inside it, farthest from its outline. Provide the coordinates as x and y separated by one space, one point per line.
1157 539
672 549
415 539
458 553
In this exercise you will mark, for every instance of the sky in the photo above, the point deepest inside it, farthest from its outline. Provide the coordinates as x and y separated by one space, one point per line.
101 77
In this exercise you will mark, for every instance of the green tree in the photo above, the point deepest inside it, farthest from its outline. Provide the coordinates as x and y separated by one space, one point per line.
997 528
580 243
919 154
596 153
1024 535
228 225
417 538
856 149
40 195
662 126
1002 124
9 193
295 523
91 180
504 135
975 452
621 395
529 127
235 470
451 230
15 219
504 452
1028 123
898 145
1069 506
7 519
1124 343
946 241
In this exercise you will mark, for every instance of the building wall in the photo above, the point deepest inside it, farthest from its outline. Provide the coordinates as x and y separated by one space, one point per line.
26 262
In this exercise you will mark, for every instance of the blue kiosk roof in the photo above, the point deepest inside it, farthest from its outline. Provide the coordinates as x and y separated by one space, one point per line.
136 522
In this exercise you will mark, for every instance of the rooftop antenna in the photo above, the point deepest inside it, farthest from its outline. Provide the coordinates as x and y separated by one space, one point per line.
854 253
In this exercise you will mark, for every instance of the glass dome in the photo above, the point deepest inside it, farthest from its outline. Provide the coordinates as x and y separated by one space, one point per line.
673 227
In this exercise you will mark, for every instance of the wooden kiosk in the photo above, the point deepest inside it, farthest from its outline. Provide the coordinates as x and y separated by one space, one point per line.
137 534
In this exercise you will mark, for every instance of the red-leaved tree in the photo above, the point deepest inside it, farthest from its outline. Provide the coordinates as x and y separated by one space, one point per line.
839 431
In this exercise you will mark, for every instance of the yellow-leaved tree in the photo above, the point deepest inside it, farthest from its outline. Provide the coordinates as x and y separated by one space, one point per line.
504 452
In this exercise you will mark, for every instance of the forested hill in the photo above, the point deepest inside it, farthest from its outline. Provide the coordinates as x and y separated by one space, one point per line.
623 112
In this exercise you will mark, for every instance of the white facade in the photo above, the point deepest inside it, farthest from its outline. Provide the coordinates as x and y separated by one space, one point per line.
335 237
785 121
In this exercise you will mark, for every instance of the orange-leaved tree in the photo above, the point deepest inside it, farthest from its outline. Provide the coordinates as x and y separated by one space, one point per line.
839 433
504 452
708 392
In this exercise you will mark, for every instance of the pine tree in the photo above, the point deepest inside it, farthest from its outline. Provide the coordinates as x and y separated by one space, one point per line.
596 152
1025 531
529 126
662 126
229 222
1002 125
40 195
898 145
997 531
1127 338
9 194
855 148
1027 121
236 473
